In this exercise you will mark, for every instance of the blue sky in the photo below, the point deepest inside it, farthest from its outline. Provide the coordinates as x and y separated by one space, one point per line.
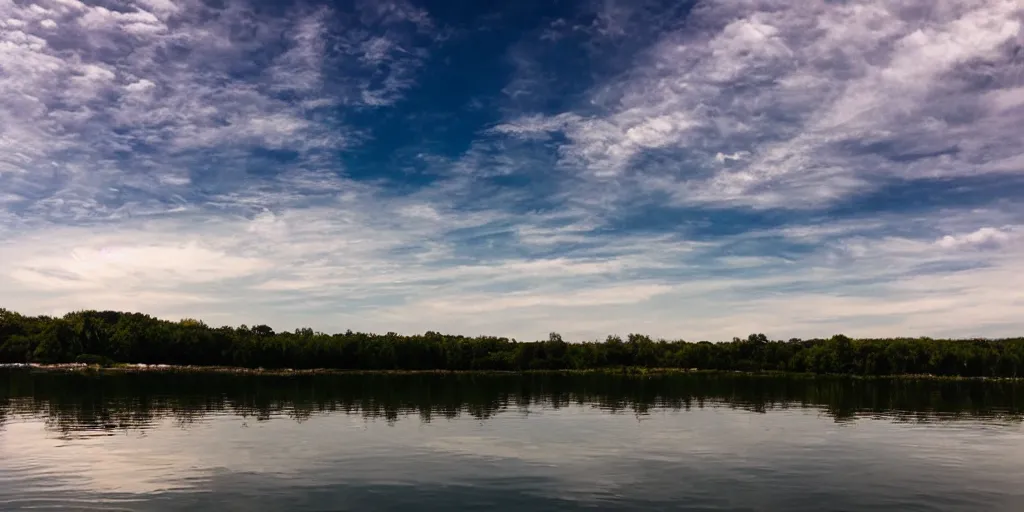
692 170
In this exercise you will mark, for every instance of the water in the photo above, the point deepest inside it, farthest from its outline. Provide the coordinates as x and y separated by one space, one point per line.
154 441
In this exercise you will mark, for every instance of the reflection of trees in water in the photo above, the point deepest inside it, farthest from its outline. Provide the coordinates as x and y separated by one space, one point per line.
73 402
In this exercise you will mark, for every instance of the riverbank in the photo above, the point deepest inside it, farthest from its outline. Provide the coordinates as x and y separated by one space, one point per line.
102 337
624 371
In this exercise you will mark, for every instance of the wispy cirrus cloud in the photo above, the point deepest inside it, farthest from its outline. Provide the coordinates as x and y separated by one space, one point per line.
137 96
778 105
698 170
372 263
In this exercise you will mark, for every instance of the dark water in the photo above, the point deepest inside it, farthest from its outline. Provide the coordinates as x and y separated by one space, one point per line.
151 441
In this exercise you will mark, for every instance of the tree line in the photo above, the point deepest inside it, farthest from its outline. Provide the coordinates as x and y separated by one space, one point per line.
111 336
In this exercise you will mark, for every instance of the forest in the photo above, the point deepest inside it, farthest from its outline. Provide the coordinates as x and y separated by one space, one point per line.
109 337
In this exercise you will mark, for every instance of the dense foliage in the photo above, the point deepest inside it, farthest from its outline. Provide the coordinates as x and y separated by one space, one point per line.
106 336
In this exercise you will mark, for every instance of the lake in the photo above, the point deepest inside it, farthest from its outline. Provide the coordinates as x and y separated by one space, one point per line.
219 441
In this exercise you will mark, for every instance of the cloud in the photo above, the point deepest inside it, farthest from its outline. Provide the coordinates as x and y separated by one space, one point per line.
699 171
147 264
982 238
130 98
425 267
161 6
825 101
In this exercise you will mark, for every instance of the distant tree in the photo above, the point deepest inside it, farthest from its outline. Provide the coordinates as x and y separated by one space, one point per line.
262 331
134 337
57 343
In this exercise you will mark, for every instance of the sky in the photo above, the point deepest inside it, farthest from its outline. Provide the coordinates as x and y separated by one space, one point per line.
692 171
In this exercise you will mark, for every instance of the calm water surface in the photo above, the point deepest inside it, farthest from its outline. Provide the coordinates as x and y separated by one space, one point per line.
152 441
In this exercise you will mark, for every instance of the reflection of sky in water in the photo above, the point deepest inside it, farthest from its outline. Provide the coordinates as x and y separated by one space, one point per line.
714 457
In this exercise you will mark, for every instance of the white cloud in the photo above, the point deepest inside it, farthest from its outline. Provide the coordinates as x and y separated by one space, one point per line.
722 157
142 265
71 5
351 263
822 101
536 124
101 18
1006 99
591 297
133 174
133 93
982 238
140 86
160 6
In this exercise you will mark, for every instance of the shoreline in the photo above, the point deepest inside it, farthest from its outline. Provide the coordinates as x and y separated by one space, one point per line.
122 368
